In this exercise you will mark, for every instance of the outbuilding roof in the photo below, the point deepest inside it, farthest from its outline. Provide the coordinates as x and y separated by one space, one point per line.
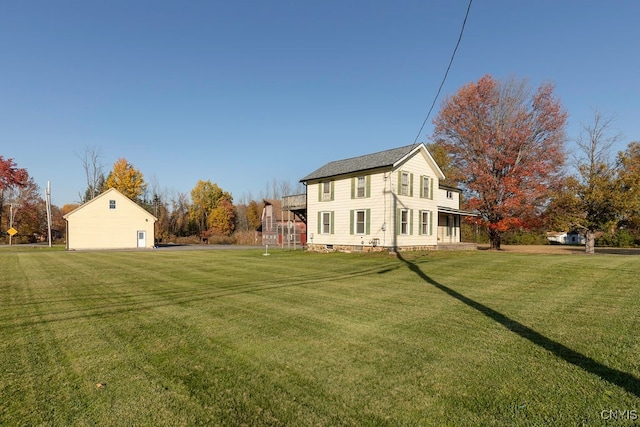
104 194
382 159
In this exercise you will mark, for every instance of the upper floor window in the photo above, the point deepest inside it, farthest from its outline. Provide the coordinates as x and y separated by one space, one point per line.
404 184
362 187
449 194
425 190
112 204
326 190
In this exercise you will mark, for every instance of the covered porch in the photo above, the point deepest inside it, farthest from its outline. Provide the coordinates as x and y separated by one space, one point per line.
449 220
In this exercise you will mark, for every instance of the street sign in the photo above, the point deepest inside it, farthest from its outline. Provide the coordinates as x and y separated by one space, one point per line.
12 231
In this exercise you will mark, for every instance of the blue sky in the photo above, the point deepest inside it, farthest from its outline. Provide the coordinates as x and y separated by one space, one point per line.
245 93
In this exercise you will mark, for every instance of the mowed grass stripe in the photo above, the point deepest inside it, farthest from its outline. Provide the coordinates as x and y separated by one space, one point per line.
567 298
33 357
218 338
534 291
259 316
112 297
117 285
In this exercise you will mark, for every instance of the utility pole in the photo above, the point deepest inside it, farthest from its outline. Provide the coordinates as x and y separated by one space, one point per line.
48 200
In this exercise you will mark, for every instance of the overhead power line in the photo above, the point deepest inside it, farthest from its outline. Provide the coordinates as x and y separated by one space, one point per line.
453 55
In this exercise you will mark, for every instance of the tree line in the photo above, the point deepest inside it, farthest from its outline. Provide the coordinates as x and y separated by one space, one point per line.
206 214
502 143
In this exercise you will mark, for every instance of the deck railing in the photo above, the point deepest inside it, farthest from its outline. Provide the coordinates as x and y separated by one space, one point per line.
294 202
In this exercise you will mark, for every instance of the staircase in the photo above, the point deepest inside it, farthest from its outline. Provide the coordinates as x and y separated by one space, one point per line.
297 204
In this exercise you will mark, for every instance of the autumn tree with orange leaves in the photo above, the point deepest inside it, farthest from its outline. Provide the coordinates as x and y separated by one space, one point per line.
506 144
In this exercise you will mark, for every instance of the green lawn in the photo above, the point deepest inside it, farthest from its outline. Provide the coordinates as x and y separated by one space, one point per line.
237 338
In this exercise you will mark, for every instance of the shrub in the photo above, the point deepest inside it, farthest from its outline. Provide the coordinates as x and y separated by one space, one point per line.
524 237
621 238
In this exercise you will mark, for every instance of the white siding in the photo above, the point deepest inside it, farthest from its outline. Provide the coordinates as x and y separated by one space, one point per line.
382 204
453 203
418 166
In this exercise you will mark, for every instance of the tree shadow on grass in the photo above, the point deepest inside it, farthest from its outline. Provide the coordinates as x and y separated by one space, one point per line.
614 376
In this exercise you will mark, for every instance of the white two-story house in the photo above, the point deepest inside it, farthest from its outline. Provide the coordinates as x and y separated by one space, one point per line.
388 200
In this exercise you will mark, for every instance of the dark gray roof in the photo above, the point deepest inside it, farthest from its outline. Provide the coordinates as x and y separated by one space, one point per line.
356 164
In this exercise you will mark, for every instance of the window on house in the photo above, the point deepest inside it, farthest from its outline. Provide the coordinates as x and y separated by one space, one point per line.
326 190
326 223
425 223
362 187
112 204
426 187
360 221
404 221
449 194
404 185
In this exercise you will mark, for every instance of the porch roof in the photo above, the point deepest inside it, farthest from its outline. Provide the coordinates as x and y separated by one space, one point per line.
454 211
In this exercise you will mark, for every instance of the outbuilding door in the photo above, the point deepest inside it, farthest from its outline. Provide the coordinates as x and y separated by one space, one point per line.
142 239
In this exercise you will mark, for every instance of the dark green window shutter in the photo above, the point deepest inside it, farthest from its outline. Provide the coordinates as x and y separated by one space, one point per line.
332 221
319 222
411 221
399 182
320 191
422 186
368 186
353 187
332 182
411 184
398 221
351 221
368 221
431 189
